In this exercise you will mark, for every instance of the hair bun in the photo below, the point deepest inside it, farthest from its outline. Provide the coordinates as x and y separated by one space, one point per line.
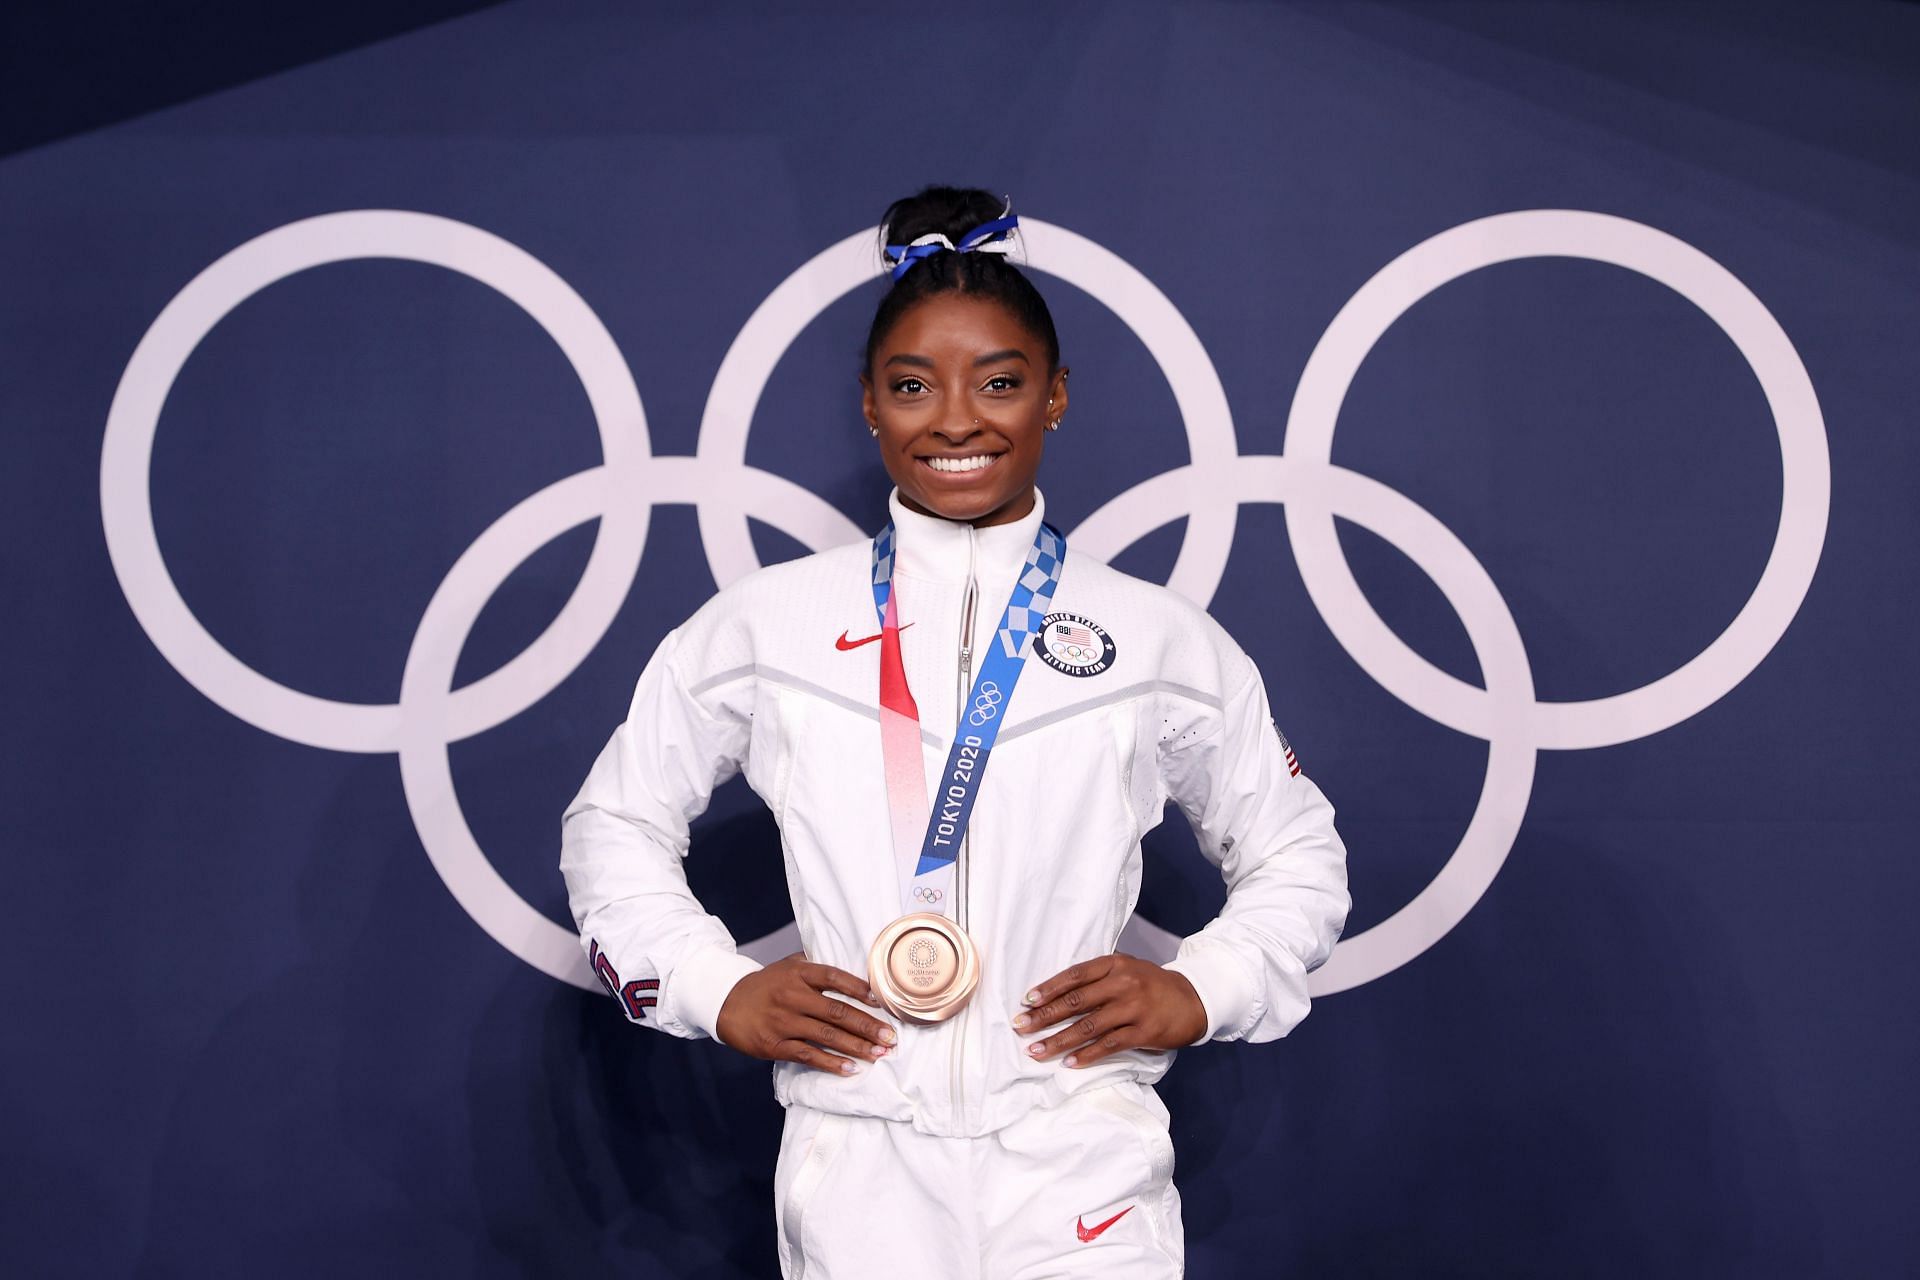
952 213
947 211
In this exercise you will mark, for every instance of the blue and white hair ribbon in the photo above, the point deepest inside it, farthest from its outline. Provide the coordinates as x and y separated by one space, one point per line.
988 237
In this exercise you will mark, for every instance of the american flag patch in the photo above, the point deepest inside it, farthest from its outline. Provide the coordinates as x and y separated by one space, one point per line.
1072 634
1293 764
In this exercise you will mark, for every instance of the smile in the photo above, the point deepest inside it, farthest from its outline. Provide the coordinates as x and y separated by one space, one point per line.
972 462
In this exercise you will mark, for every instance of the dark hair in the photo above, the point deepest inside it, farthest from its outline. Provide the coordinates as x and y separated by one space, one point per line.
954 211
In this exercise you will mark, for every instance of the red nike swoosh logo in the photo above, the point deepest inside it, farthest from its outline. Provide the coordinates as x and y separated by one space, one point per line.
844 644
1090 1234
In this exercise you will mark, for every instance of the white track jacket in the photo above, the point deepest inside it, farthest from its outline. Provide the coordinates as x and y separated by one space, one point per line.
1145 699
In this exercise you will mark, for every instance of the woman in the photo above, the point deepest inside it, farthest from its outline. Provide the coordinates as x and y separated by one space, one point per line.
966 1063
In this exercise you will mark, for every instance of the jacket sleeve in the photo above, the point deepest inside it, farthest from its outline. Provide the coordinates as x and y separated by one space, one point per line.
1270 832
669 962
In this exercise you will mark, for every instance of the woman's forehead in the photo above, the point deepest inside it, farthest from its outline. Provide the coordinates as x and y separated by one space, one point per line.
958 321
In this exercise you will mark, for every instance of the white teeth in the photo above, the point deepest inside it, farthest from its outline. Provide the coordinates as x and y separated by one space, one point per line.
973 463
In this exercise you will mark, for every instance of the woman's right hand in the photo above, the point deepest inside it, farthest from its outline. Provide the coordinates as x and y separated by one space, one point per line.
781 1012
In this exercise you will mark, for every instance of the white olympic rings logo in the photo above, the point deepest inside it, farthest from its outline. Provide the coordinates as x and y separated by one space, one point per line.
430 714
986 704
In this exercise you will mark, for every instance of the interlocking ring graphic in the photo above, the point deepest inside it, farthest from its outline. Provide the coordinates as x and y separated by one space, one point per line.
1207 492
927 893
986 704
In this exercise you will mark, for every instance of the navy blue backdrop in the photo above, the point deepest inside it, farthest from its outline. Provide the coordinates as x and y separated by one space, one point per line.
269 1013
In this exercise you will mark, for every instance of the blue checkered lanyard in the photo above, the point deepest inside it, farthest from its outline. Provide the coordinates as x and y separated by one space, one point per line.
926 882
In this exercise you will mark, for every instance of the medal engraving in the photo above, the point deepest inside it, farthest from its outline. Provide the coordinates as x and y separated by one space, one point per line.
924 962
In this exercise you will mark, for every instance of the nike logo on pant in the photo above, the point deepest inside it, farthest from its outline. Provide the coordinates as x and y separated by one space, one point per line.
1089 1234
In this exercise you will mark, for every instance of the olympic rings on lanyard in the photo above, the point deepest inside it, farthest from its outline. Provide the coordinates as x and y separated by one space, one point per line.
986 706
725 491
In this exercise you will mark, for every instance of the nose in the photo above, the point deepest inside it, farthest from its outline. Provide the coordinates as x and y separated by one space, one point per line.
958 428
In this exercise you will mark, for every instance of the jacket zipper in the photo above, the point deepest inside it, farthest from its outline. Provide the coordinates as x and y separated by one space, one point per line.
957 1078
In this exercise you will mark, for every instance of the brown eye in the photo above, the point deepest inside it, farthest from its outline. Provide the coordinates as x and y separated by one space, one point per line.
1002 382
909 386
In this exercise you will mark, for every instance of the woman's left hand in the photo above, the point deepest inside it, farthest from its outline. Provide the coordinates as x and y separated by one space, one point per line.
1117 1002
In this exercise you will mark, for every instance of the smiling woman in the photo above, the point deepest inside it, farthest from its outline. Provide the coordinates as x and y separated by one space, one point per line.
963 369
1003 1121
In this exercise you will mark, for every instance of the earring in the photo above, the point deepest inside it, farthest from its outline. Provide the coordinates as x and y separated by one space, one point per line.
873 431
1055 424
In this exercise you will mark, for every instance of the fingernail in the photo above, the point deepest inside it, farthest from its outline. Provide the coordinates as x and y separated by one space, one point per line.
1033 997
1071 1061
848 1067
1021 1019
877 1049
1037 1050
889 1035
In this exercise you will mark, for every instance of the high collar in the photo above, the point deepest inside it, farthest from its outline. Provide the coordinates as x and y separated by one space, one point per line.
938 550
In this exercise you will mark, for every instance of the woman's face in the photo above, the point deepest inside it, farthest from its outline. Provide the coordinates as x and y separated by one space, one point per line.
960 394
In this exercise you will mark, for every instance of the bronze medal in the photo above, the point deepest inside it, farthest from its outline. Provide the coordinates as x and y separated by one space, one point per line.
924 967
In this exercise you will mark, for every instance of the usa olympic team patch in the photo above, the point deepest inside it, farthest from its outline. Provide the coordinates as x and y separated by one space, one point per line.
1072 644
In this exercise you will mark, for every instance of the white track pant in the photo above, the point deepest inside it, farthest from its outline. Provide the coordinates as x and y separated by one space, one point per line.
1081 1189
